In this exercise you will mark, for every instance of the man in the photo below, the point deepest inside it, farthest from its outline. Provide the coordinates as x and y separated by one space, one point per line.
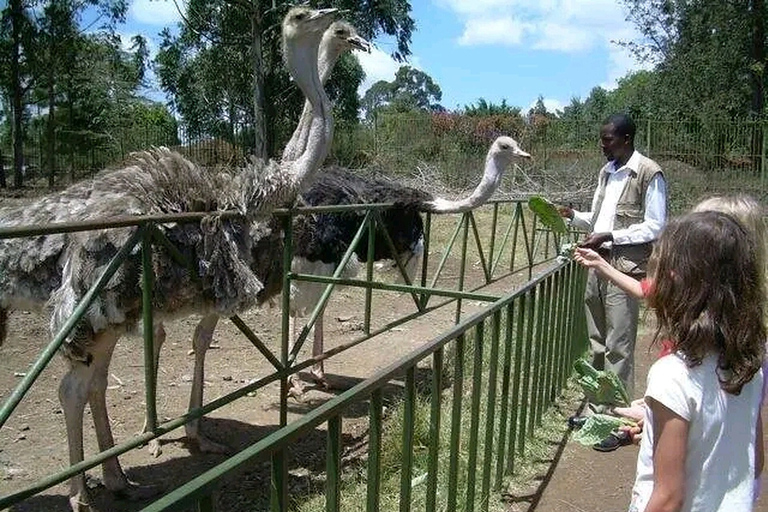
628 213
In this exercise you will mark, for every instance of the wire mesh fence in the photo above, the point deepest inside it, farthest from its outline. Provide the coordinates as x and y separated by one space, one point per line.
700 157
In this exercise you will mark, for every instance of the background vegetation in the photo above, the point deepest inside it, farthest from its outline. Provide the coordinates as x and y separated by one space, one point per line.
73 98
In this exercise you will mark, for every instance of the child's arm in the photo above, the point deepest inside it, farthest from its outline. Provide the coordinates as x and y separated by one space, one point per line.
669 450
591 259
759 450
759 456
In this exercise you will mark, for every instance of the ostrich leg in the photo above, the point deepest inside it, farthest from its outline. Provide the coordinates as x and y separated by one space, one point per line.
73 394
318 371
159 338
201 342
295 385
113 475
88 383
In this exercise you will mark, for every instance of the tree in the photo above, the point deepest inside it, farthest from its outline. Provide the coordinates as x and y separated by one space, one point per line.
411 90
224 70
40 37
710 55
483 108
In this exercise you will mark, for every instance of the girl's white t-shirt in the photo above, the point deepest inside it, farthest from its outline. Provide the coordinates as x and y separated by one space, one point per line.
720 457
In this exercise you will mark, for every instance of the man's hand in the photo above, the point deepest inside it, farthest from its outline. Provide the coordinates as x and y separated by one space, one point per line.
595 240
565 211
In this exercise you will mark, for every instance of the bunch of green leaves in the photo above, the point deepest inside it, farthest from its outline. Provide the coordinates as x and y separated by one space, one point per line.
599 426
547 214
600 386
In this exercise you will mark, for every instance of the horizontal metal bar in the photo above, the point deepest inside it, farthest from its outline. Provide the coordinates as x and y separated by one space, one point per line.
115 222
396 287
125 221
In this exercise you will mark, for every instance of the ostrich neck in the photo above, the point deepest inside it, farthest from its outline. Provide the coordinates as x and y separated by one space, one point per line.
494 168
302 62
326 61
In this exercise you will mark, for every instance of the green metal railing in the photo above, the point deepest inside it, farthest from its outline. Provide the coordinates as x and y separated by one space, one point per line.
518 223
530 360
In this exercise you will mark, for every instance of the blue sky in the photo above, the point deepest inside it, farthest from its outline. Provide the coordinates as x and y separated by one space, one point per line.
516 50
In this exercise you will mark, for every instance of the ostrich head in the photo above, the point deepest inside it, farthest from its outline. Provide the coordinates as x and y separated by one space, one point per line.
302 31
342 37
303 21
337 39
501 154
506 148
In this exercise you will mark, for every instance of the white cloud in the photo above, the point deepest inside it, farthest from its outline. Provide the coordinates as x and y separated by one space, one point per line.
505 31
620 62
559 25
567 26
156 12
379 65
563 38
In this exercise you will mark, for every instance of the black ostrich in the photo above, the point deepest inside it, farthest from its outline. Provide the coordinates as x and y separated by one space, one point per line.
321 240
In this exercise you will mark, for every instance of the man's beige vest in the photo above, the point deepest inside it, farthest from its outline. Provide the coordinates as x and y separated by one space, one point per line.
630 259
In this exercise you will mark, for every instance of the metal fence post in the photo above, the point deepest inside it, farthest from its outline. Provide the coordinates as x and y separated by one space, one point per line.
648 136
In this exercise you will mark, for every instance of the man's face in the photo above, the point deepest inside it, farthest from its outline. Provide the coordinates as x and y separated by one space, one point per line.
614 146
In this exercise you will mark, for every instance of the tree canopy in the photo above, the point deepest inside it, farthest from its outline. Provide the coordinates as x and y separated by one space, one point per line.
411 90
224 72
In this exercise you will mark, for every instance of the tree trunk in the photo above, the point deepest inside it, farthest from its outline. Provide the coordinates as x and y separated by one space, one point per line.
259 126
17 101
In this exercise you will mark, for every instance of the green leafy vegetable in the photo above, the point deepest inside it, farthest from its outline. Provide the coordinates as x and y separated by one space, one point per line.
547 214
601 387
566 251
598 427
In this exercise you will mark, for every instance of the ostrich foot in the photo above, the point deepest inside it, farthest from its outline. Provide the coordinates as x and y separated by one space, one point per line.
153 446
296 388
318 375
155 450
80 502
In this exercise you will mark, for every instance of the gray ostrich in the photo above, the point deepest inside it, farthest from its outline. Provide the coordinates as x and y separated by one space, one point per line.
339 38
161 181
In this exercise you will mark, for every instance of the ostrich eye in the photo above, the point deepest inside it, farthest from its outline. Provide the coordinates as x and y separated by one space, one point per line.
300 16
504 146
341 33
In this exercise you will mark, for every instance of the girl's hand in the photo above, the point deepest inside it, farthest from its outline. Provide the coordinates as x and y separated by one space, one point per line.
635 411
635 433
588 257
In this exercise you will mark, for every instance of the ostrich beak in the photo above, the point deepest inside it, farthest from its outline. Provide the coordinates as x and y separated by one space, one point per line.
358 43
318 14
522 154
